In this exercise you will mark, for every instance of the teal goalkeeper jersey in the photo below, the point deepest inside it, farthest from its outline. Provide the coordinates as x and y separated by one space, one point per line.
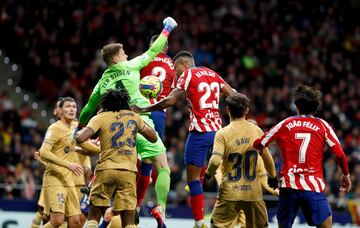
123 75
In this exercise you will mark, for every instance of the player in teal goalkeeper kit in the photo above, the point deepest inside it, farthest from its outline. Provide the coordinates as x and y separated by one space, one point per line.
125 75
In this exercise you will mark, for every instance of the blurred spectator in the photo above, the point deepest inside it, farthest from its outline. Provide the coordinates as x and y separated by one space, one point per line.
261 48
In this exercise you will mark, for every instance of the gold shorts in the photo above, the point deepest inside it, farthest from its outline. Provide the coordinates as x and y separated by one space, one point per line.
41 201
226 213
116 183
61 199
79 193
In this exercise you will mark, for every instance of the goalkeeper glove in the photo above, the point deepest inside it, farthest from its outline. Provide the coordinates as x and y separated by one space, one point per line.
169 24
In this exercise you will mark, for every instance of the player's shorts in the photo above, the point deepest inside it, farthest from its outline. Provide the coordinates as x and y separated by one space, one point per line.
159 118
145 148
198 147
226 213
79 193
314 205
116 183
62 199
41 202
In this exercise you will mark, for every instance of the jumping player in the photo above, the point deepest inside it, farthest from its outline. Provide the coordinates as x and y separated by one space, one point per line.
125 75
202 88
116 169
161 66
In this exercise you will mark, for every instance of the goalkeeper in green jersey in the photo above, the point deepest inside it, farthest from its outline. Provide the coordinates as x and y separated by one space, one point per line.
125 75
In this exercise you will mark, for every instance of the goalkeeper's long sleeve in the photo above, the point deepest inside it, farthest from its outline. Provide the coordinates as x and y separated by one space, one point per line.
156 47
89 110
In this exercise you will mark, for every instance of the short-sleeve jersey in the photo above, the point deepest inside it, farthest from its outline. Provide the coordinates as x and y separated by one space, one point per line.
117 134
85 162
59 137
241 178
203 88
161 66
301 140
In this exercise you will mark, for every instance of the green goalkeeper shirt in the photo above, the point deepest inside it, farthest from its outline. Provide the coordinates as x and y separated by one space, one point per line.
123 75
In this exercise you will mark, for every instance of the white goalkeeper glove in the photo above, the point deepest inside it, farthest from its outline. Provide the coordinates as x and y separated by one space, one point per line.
169 24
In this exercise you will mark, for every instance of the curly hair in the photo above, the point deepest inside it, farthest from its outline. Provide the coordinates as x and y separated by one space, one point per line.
115 100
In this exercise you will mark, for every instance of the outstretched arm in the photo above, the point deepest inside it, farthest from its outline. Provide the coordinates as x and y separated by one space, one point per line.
144 59
164 103
89 110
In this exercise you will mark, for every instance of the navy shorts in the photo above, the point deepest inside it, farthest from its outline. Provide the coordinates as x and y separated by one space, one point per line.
198 147
159 118
314 206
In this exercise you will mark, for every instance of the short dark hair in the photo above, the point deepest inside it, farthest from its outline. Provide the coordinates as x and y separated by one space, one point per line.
108 51
238 105
182 54
115 100
307 100
65 99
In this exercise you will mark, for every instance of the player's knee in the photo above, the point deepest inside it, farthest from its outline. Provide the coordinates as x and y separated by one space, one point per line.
57 220
75 221
161 161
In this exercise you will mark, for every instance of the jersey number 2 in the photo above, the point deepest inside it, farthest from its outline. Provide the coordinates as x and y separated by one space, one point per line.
305 137
160 72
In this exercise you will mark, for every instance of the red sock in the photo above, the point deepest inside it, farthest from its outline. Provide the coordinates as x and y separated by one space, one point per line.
197 206
202 174
141 187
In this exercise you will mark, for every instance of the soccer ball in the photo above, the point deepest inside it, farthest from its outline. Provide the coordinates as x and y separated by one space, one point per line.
150 86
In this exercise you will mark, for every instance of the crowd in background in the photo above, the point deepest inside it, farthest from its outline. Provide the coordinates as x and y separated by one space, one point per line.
262 48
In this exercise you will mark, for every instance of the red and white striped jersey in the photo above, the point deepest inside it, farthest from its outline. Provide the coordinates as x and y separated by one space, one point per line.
301 140
161 66
203 88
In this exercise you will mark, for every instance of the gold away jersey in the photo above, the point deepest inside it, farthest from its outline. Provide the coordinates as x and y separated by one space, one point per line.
59 138
117 133
240 175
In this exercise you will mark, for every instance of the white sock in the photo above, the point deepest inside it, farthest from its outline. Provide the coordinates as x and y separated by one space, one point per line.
199 223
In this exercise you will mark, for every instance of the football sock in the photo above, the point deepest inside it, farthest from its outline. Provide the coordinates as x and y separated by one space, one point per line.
37 220
199 223
162 186
143 182
197 199
92 224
